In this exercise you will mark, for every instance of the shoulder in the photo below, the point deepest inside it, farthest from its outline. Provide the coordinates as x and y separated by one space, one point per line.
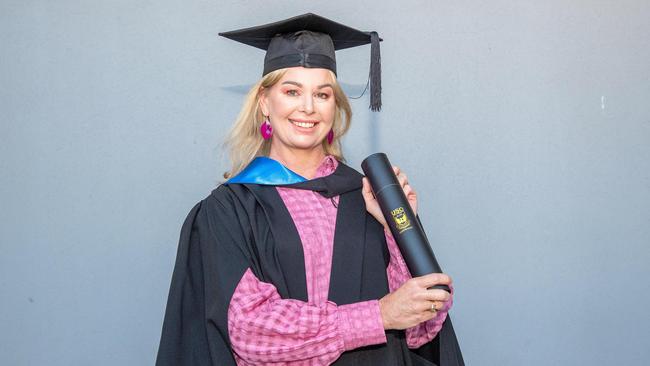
221 214
347 171
223 195
219 202
346 179
227 202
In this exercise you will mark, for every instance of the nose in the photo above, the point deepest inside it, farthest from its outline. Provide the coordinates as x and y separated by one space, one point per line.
308 103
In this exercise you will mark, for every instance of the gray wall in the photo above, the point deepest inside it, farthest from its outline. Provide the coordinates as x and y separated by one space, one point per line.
524 126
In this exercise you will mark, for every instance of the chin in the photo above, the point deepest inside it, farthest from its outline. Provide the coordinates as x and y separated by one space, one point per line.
306 145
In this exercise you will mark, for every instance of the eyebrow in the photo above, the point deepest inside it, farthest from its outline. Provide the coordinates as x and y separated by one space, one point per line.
300 85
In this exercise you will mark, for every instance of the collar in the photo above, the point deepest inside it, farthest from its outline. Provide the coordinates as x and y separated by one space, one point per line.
266 171
337 178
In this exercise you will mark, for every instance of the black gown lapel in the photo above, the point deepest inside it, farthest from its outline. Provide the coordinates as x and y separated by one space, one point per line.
343 179
349 248
286 258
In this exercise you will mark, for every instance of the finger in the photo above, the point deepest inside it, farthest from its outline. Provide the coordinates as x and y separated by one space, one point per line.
434 295
426 306
428 315
436 305
403 179
367 189
432 279
408 190
396 170
366 185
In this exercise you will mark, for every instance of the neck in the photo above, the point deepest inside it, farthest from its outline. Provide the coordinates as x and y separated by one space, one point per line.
303 162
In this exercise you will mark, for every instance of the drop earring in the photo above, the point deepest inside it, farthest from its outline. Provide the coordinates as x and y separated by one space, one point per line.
330 136
266 129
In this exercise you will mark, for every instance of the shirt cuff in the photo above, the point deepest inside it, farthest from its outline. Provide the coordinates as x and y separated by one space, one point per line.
360 324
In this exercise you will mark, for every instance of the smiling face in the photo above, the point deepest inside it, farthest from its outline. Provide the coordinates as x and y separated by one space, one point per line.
301 107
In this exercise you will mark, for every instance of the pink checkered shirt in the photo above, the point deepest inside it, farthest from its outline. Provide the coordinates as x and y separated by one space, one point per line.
265 329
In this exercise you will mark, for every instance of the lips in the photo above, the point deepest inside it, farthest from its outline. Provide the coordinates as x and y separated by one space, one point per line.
303 124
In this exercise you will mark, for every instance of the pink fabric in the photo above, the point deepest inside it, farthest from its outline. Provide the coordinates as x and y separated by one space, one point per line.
265 329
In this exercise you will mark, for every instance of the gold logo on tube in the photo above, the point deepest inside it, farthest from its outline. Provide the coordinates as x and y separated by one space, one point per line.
402 221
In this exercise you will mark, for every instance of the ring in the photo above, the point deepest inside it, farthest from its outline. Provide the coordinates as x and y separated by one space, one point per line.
433 308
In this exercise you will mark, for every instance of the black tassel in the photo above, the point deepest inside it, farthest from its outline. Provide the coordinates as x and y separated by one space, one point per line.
375 73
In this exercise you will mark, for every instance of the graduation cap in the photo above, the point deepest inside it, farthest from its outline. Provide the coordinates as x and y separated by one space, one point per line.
310 40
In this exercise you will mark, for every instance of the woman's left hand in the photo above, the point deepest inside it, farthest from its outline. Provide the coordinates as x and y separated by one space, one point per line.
371 202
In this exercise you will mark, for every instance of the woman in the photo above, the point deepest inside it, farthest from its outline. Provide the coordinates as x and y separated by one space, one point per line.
290 261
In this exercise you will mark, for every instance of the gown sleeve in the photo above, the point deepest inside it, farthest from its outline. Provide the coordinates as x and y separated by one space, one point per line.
398 274
209 263
266 329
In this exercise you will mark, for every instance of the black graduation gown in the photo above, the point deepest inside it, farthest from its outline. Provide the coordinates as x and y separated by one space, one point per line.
241 226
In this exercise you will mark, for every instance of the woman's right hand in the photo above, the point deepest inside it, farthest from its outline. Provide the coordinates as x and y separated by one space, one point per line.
410 304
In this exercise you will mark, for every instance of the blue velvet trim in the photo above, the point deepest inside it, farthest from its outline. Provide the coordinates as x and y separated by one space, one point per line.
266 171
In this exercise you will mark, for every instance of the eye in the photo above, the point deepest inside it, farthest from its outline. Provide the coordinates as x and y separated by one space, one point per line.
291 92
323 95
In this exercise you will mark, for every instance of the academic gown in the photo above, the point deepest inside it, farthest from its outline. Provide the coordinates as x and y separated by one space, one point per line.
244 225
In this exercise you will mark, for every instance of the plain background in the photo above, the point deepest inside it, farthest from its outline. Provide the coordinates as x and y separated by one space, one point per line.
524 126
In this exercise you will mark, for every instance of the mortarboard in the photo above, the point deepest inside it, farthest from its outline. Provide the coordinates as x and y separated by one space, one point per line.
310 40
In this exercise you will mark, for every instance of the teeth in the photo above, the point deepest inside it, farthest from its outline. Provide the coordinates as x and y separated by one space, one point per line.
303 124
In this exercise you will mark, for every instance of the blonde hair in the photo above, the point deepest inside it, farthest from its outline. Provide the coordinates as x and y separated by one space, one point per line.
244 141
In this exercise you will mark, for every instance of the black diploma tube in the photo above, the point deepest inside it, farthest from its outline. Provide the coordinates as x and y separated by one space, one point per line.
403 224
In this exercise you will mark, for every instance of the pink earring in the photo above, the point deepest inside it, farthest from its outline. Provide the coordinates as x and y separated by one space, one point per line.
266 129
330 137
